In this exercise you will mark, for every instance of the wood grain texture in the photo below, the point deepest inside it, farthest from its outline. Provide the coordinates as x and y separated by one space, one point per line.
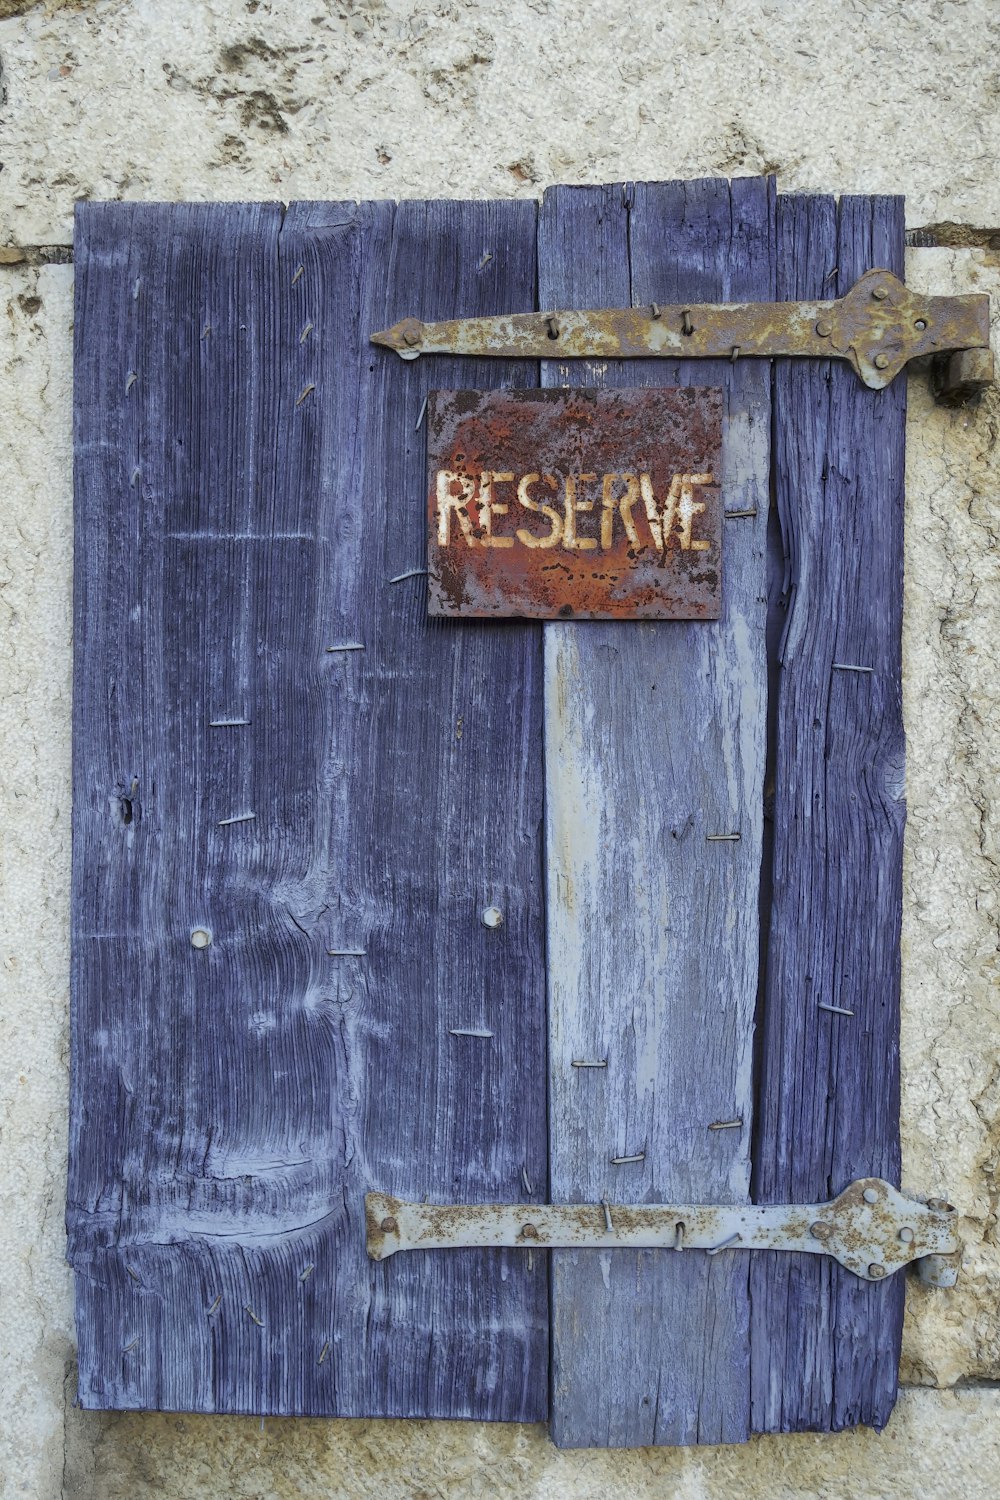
655 740
825 1344
245 467
249 481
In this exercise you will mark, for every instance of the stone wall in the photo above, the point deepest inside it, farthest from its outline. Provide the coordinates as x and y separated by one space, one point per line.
251 99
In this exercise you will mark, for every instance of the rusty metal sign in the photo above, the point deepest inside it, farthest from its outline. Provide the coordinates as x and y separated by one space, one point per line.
877 328
870 1228
575 504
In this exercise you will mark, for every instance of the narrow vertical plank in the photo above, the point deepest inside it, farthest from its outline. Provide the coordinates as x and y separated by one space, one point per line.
177 1133
826 1345
655 739
249 480
447 783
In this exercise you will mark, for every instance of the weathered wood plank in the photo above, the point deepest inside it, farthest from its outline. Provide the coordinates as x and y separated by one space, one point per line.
826 1345
655 740
242 505
449 728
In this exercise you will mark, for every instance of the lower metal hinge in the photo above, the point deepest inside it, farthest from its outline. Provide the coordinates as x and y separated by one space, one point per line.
870 1228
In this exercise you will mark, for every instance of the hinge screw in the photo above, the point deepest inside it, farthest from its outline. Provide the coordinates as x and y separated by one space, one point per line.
870 1195
881 361
820 1231
529 1232
876 1272
411 332
824 329
906 1235
880 293
201 938
389 1225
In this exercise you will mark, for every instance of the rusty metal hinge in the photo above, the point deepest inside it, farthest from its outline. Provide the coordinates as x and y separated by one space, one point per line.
870 1228
877 327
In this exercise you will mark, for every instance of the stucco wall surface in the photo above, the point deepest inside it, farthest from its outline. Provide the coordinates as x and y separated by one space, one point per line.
245 98
399 98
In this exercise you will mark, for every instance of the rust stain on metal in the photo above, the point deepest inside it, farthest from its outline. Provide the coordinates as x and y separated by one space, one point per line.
877 327
575 504
870 1228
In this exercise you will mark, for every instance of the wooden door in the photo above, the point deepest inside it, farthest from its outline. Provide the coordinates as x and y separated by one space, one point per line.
295 797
